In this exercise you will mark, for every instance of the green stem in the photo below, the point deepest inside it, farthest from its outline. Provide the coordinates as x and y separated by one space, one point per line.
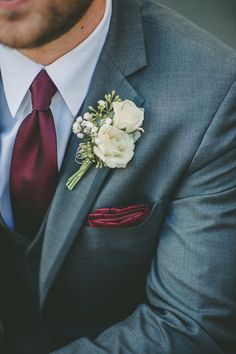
73 180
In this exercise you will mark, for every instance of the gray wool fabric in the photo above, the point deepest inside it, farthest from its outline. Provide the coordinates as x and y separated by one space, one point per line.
167 285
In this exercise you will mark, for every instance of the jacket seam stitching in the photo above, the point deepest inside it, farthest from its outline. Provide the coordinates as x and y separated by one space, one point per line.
203 195
211 121
185 35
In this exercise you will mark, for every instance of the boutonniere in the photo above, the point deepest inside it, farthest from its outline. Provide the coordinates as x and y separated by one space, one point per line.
109 134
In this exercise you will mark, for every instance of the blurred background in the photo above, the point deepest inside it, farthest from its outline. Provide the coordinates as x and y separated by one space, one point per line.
216 16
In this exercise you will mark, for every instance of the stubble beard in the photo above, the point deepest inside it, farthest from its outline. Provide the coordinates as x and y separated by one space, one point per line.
46 25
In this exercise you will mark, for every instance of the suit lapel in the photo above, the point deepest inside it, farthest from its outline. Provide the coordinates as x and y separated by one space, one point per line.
70 208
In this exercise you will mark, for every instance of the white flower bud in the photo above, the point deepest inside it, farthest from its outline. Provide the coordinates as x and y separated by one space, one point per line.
84 123
89 125
87 116
76 128
108 121
80 135
102 103
94 129
79 120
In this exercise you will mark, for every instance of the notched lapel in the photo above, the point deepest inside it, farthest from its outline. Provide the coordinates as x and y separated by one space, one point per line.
70 208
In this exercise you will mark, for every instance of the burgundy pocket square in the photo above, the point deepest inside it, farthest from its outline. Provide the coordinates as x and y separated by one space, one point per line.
129 216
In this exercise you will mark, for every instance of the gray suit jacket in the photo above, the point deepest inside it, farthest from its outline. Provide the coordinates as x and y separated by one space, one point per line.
167 285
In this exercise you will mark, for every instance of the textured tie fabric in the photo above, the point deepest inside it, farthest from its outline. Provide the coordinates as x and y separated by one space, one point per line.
34 171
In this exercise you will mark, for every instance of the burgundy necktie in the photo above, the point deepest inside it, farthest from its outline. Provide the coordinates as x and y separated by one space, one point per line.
34 171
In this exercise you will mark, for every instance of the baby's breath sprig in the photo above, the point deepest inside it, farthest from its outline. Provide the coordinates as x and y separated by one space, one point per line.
104 109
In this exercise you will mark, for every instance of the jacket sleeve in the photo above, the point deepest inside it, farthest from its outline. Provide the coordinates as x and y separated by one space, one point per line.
191 286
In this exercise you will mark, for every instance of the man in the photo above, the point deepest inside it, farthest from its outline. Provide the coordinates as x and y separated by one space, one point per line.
167 284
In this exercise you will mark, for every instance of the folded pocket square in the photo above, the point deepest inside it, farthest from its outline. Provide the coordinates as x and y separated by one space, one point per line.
119 217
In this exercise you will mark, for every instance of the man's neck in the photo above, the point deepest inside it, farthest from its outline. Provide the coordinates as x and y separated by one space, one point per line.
52 51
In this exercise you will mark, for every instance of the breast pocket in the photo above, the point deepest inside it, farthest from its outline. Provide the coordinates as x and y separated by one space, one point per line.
122 237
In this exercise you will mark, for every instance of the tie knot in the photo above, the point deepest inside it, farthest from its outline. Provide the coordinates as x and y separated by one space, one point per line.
42 91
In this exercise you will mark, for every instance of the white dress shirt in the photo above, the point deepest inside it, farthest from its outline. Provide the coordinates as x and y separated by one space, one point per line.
72 75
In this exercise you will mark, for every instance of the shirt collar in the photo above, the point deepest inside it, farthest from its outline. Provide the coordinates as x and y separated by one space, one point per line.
71 73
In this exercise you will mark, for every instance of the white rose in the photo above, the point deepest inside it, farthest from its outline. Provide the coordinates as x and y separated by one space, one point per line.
127 116
115 148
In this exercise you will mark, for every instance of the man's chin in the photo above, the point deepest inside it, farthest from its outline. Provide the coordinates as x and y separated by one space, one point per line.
20 38
34 28
16 41
15 32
